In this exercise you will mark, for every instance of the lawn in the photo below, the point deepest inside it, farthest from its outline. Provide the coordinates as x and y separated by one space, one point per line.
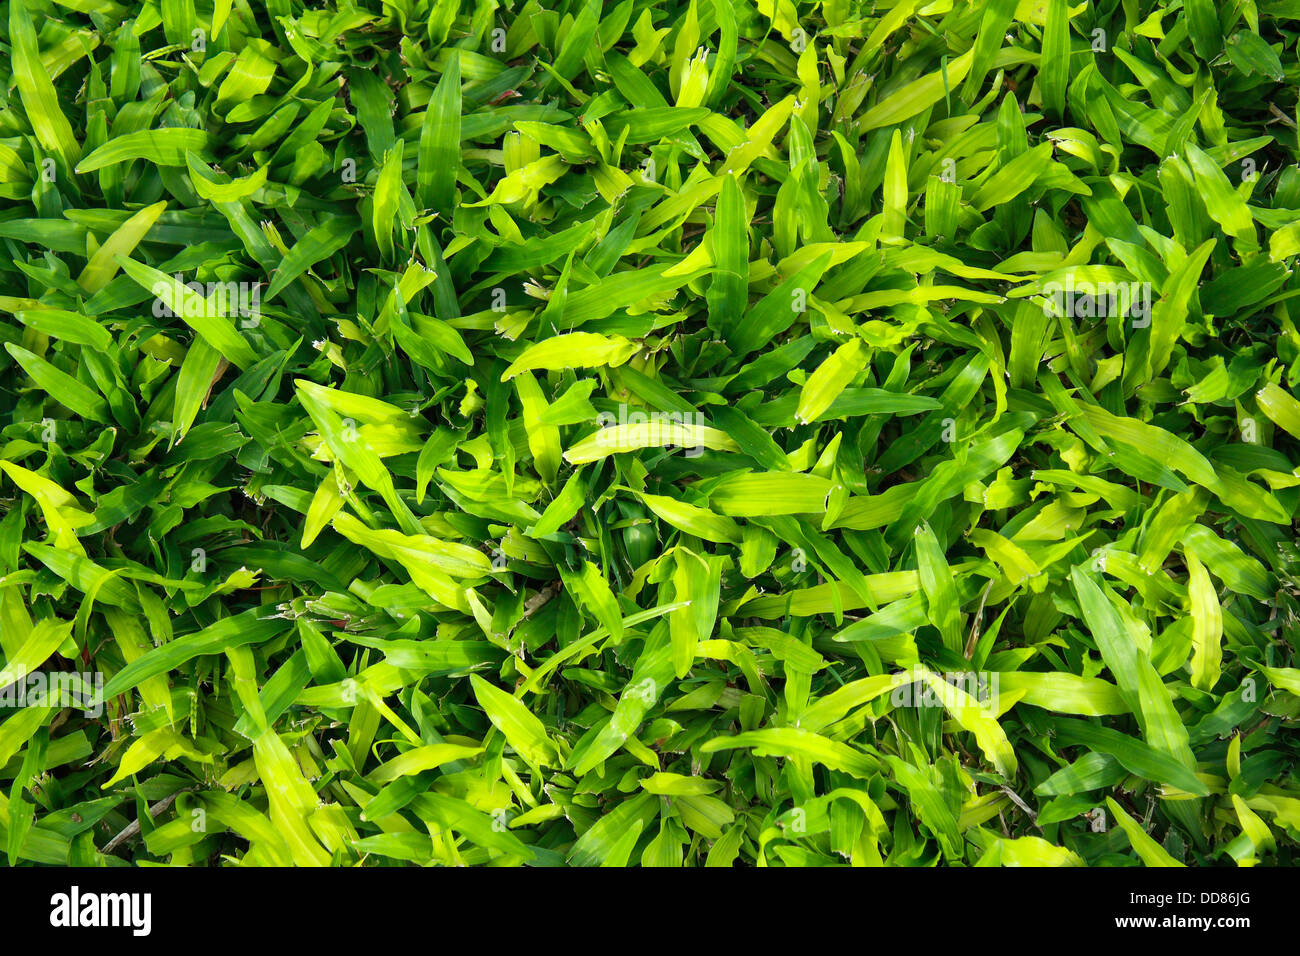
709 433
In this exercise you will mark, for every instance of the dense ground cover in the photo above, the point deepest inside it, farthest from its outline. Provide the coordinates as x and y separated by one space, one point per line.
666 433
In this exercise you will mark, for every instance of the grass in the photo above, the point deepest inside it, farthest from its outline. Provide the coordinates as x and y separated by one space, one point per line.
735 432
